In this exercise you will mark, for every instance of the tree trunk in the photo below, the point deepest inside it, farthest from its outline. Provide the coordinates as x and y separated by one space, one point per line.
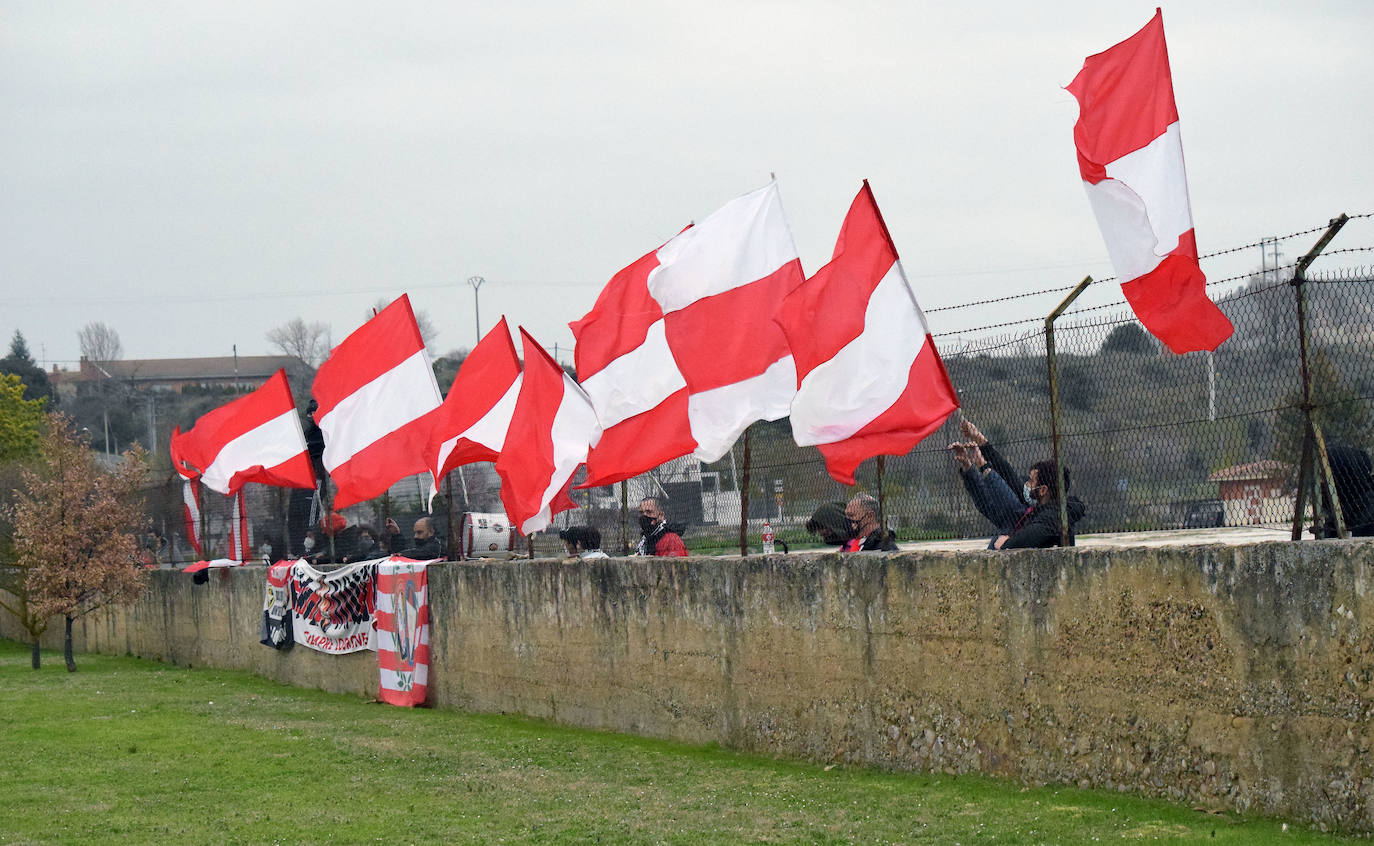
67 647
37 659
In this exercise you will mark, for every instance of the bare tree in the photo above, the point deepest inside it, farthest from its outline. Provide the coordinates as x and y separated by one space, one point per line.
428 331
310 342
100 343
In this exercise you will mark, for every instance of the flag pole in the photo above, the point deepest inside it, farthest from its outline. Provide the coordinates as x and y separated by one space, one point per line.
448 495
1054 405
743 482
624 518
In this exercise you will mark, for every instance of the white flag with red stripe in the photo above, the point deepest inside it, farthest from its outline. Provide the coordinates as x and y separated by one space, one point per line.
554 424
869 379
680 353
377 398
1130 155
472 422
255 438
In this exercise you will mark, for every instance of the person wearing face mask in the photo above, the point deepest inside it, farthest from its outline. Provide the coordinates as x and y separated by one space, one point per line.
426 545
658 538
866 534
1039 526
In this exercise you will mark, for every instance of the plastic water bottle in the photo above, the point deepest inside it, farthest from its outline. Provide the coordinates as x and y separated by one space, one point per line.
767 538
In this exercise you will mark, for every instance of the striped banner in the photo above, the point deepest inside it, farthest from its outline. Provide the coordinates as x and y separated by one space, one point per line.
402 632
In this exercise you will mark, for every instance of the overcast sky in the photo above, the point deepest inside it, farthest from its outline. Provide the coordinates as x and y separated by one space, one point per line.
195 173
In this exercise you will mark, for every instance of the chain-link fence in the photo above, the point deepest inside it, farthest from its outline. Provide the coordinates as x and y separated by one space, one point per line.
1152 440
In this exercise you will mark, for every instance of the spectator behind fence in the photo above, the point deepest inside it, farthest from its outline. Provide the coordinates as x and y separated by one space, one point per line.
365 548
425 546
1351 470
335 540
1024 519
1039 526
582 542
658 538
866 534
829 523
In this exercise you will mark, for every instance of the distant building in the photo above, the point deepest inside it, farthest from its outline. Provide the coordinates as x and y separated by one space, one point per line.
244 372
1258 492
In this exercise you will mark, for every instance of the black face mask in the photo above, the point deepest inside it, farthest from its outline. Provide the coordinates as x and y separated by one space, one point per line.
646 523
852 528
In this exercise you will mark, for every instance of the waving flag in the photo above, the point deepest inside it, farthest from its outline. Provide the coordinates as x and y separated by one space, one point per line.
870 381
471 424
240 546
625 366
681 351
1130 155
377 401
555 425
190 512
255 438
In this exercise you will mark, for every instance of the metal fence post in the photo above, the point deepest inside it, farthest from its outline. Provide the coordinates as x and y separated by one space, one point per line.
1054 406
1314 459
743 484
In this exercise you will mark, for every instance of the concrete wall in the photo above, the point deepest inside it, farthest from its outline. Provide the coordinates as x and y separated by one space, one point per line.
1230 677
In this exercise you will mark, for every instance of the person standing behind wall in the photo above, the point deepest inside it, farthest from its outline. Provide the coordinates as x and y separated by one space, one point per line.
866 534
657 537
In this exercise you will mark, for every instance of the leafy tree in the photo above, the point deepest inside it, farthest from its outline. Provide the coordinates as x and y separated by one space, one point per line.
21 420
100 343
20 362
74 543
1129 338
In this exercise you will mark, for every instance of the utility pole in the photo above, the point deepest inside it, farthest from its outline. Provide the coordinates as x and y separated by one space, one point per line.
476 283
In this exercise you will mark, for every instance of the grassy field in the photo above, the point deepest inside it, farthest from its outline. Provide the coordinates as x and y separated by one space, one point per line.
130 751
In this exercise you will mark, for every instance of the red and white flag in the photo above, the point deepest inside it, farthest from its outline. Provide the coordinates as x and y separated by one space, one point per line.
190 512
402 631
624 364
255 438
554 424
240 546
471 424
377 401
1130 155
869 379
680 353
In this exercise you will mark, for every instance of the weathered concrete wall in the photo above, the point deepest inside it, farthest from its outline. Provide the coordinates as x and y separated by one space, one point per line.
1238 677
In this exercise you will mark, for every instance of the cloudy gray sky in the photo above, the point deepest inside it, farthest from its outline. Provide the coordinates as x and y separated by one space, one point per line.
196 173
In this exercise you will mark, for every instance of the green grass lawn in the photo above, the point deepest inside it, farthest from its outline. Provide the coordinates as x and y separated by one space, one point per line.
131 751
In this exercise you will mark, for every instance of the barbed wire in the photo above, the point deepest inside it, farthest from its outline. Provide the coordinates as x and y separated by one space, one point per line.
1201 258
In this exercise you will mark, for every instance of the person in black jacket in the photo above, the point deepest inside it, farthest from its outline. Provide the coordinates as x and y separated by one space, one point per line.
1039 526
865 532
1028 517
1354 476
426 545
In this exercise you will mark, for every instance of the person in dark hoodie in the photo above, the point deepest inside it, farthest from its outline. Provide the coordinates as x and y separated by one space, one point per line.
829 522
1354 477
1024 518
1039 526
659 538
